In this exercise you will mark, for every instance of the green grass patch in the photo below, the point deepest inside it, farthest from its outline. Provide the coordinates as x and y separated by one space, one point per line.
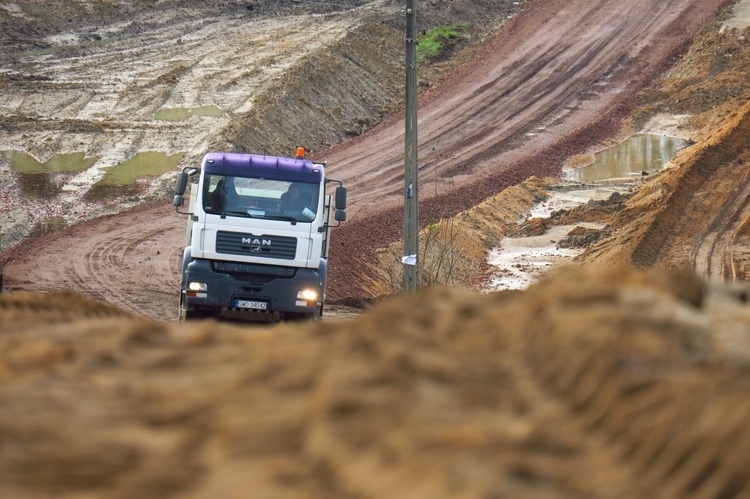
437 42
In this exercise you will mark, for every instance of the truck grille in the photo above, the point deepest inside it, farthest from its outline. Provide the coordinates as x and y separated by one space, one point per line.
237 243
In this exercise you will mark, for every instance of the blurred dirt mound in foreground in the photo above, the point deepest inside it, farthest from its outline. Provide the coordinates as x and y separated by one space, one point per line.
592 383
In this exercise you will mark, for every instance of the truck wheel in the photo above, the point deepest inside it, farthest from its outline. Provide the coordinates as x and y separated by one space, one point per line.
189 315
182 311
186 314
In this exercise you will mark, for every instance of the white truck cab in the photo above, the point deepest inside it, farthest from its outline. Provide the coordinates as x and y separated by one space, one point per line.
258 231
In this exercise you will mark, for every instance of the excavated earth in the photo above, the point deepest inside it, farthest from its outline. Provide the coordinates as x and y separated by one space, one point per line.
622 375
592 383
555 80
92 81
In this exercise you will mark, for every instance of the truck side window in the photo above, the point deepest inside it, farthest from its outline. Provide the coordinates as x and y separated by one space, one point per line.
214 200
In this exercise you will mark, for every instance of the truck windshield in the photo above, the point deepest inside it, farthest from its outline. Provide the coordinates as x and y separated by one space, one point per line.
260 198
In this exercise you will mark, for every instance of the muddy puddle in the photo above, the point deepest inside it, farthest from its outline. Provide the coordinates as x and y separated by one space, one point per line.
520 261
640 154
44 180
183 113
740 16
126 179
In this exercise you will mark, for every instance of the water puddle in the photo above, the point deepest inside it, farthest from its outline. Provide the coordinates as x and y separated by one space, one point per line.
64 163
123 179
44 180
638 154
521 261
143 164
183 113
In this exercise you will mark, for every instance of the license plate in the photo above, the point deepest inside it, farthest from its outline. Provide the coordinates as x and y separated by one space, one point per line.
257 305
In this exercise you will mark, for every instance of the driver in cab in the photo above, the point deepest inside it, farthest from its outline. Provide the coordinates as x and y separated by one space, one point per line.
292 200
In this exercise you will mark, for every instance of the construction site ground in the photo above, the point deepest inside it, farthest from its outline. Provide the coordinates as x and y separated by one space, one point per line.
621 375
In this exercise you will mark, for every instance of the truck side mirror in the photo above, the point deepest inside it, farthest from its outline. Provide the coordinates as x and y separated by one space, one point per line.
340 215
182 181
340 199
179 190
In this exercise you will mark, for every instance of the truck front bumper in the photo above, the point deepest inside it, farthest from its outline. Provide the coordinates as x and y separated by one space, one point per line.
238 289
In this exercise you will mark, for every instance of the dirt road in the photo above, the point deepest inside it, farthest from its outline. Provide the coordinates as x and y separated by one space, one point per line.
561 71
555 81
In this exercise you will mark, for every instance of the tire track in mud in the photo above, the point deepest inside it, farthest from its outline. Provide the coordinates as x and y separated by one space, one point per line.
474 142
713 256
122 266
127 260
704 207
127 77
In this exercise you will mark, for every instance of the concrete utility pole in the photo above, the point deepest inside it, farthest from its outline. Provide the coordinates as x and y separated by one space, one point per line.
411 190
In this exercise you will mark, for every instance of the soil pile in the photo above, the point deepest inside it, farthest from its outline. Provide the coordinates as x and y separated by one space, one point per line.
691 214
710 80
592 383
694 214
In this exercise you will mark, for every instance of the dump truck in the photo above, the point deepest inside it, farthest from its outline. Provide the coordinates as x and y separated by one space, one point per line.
258 231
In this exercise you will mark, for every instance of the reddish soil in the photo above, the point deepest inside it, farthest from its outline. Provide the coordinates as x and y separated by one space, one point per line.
555 81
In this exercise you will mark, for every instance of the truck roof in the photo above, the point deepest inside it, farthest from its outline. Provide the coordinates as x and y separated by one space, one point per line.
270 167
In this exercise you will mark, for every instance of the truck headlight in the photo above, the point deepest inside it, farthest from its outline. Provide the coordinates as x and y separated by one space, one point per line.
197 286
307 295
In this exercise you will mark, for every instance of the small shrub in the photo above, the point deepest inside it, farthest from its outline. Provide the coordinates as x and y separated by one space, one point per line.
437 42
447 254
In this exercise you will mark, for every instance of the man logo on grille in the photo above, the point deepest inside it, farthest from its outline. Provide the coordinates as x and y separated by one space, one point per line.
256 242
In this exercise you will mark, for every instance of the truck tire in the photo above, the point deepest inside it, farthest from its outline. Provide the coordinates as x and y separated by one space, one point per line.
185 313
182 313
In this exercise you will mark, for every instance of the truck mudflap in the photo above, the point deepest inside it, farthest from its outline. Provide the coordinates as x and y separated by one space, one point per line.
251 291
